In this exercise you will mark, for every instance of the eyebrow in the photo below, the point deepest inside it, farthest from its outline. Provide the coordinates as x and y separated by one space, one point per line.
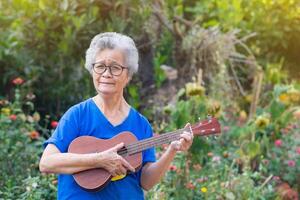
102 62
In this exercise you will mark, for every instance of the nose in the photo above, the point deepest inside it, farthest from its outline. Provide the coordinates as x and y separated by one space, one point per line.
107 73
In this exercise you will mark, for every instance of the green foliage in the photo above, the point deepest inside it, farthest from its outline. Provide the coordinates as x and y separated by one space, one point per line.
242 162
21 147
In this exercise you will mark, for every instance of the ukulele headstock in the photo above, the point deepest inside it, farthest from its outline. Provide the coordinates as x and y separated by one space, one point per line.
209 126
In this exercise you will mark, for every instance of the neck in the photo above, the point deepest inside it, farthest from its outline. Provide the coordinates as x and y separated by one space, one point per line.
111 105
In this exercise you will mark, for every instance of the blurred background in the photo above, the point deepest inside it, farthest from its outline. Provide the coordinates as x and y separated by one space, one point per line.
237 60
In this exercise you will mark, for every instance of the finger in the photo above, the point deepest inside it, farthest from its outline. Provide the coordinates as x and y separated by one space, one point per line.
186 137
122 170
118 146
176 145
127 165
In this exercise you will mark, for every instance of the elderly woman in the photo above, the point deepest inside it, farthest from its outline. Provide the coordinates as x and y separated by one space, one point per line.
112 59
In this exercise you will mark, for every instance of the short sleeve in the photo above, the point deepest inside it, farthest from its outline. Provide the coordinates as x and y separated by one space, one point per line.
66 131
149 154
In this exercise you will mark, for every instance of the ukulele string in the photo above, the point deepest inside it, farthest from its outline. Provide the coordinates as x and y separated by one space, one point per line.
164 138
139 145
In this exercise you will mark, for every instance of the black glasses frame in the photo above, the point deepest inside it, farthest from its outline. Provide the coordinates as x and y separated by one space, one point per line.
109 67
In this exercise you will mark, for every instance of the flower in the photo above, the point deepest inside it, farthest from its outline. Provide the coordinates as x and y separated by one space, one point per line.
296 114
13 117
262 121
34 185
265 161
18 81
214 108
173 168
278 143
216 159
291 163
284 98
204 189
194 89
197 167
276 178
298 150
243 116
225 154
34 135
210 154
54 124
36 116
226 128
30 96
190 185
5 111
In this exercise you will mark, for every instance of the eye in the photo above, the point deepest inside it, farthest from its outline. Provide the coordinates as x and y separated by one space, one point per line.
116 68
100 66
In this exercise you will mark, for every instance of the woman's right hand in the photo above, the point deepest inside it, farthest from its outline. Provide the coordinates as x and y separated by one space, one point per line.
113 162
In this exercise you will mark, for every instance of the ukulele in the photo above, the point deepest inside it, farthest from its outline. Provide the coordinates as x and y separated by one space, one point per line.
98 178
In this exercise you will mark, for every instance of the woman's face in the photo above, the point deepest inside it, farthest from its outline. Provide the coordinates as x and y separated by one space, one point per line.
107 83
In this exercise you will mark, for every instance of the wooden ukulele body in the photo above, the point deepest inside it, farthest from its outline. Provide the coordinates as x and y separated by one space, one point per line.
96 179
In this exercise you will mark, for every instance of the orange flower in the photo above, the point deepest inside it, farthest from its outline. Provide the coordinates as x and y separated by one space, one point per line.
18 81
210 154
34 135
190 185
197 167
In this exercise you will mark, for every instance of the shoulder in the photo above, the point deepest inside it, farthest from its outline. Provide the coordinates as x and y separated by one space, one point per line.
141 119
77 109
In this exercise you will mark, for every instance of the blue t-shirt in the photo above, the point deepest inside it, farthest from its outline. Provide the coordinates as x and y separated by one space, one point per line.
86 118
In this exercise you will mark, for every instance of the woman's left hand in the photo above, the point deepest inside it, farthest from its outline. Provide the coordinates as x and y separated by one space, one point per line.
184 143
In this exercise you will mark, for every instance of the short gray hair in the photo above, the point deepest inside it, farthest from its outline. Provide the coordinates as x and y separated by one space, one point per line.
112 40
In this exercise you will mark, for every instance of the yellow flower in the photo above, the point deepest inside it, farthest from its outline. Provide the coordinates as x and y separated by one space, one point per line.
214 108
5 111
262 121
204 189
284 98
243 116
294 95
249 98
194 89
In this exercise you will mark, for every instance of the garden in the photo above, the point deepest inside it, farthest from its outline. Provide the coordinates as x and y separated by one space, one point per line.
235 60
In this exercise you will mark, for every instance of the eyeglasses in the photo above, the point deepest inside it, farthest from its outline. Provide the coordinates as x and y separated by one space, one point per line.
114 69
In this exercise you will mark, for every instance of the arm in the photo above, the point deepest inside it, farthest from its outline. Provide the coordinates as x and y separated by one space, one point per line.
153 172
53 161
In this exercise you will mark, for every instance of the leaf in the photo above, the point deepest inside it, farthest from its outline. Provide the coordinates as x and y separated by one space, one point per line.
253 149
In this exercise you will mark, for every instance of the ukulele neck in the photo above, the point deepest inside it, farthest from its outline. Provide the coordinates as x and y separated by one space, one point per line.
142 145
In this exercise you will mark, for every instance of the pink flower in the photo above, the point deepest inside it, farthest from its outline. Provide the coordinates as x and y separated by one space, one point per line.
54 124
18 81
298 150
278 143
291 163
216 159
226 128
190 185
173 168
276 178
13 117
